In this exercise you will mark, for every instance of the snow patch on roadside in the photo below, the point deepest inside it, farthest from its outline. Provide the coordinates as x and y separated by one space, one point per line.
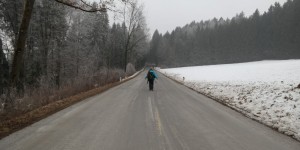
265 92
132 76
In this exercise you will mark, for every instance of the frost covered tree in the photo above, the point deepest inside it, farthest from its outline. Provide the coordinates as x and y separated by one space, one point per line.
25 22
46 39
87 42
135 30
10 17
116 46
66 49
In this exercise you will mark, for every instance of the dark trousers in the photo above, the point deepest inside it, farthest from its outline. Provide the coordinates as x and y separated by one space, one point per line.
151 84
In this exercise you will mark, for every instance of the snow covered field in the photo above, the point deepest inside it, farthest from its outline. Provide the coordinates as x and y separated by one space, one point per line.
267 91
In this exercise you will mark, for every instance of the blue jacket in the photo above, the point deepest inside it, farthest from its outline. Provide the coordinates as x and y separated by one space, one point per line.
153 73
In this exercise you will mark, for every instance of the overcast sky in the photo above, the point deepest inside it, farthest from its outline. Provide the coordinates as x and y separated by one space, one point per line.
166 15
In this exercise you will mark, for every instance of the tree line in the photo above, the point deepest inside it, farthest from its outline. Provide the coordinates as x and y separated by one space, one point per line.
68 47
274 34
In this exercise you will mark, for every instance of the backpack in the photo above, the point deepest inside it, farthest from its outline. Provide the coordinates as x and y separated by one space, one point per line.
150 76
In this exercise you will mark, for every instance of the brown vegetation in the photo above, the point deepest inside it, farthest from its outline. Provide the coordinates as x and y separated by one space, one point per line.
16 120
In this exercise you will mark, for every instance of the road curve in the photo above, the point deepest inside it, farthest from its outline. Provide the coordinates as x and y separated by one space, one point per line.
130 117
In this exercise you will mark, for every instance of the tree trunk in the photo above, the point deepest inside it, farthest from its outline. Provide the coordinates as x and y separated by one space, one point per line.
20 45
125 60
4 70
126 52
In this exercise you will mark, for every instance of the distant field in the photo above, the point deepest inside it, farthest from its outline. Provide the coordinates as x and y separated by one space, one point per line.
284 70
267 91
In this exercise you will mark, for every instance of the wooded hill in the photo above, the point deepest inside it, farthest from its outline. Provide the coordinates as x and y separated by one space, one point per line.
274 34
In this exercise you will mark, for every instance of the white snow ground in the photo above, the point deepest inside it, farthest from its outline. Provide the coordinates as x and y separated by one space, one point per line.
266 91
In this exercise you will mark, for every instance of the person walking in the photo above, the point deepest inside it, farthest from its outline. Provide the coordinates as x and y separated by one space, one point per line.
151 76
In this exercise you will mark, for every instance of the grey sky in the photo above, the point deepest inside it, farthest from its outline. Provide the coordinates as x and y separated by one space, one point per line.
166 15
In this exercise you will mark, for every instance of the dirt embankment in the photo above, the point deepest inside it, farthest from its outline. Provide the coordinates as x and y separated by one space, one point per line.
12 124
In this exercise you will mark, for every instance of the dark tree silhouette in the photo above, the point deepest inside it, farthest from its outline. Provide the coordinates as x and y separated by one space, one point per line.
272 35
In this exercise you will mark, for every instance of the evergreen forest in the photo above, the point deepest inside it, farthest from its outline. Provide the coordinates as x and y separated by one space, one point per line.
272 35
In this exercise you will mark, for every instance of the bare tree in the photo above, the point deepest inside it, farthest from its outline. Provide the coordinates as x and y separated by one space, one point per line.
135 28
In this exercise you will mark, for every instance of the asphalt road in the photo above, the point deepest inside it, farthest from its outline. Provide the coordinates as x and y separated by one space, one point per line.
130 117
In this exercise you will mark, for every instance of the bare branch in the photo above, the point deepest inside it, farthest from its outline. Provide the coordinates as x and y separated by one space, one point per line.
85 6
85 3
137 42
